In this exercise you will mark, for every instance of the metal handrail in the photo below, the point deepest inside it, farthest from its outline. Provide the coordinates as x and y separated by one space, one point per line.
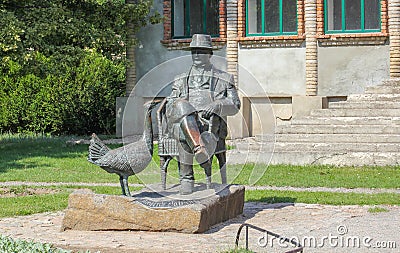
297 244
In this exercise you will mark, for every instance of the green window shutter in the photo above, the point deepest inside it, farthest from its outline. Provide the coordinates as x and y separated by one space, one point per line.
195 16
271 17
352 16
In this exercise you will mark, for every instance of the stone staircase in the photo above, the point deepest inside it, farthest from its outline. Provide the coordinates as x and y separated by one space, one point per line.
363 130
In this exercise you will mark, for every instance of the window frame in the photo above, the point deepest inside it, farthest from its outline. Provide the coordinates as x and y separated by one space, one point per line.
187 17
343 18
281 32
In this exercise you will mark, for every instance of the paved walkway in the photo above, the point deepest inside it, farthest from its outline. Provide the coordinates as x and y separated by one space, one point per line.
321 228
274 188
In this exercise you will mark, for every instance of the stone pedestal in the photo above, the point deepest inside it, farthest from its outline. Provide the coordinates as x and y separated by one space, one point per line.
148 210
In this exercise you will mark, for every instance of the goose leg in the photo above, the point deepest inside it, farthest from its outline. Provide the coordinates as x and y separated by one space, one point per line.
125 181
121 181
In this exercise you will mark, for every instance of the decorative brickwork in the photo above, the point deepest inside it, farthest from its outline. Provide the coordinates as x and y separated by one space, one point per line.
270 41
167 9
310 7
130 73
181 44
231 37
354 40
394 31
178 44
384 18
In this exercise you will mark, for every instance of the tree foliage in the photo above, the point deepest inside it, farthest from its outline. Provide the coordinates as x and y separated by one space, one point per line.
63 62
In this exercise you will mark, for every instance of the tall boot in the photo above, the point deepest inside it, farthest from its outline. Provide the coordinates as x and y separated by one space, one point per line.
186 174
187 187
193 138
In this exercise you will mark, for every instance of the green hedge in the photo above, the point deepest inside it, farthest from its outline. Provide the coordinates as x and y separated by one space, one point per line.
62 63
60 99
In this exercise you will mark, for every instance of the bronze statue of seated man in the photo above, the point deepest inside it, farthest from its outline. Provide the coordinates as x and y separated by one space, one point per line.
196 112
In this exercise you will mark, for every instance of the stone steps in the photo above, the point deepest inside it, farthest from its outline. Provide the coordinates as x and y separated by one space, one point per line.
365 112
336 147
332 138
302 158
383 90
321 147
337 158
346 121
363 130
361 105
373 97
338 129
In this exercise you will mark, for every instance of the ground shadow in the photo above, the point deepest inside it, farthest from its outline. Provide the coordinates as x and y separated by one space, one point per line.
17 153
252 208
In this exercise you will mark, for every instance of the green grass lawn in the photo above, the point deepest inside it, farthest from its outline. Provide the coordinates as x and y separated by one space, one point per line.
323 176
51 159
26 205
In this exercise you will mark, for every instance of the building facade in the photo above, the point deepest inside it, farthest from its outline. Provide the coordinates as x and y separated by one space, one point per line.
288 56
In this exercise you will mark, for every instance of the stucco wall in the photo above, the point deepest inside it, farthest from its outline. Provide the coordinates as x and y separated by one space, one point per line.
279 71
348 70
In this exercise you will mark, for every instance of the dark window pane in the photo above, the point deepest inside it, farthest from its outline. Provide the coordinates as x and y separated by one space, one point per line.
271 18
334 15
372 14
196 17
289 9
353 14
254 16
179 17
212 17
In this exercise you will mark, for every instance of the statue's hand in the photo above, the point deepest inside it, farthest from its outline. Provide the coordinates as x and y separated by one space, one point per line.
213 108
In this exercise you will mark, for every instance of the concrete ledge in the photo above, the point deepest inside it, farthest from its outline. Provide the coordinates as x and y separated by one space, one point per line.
154 211
303 105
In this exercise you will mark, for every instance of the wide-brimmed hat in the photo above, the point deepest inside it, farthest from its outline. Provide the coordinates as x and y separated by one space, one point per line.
201 41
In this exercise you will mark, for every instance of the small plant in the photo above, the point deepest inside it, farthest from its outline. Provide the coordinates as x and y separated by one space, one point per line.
10 245
377 209
238 250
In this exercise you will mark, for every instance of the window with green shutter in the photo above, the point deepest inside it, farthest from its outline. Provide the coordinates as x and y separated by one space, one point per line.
195 16
271 17
352 16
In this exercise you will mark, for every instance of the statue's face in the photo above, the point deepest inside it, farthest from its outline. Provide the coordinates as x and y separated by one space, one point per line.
201 56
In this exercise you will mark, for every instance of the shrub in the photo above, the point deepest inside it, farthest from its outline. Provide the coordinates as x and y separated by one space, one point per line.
62 63
66 100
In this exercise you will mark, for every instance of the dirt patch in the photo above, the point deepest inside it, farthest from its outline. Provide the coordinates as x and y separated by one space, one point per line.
7 192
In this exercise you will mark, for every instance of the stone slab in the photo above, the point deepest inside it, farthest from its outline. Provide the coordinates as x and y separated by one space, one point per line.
154 210
303 105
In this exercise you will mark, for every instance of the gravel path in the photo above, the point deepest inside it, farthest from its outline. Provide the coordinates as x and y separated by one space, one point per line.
275 188
320 228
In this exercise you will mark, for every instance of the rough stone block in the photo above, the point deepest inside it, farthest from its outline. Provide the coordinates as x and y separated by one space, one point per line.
150 210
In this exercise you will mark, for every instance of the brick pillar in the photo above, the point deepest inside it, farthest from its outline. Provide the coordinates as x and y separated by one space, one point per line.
394 33
311 47
130 74
231 37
